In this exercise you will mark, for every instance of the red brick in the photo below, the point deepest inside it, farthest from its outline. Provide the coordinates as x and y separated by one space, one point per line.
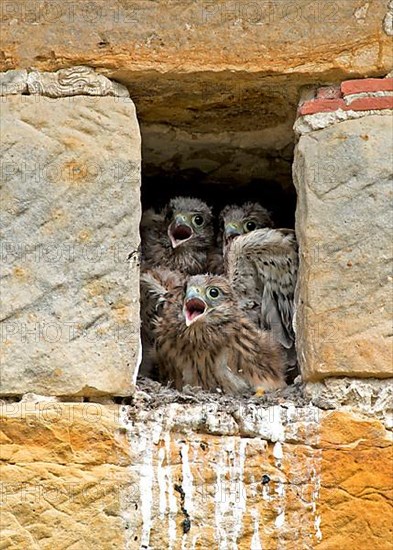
371 103
367 85
321 106
329 92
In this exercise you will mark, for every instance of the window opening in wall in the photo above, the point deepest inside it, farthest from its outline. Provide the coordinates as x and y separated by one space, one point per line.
230 335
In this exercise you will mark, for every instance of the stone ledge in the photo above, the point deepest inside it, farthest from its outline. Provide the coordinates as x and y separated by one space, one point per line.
371 397
68 82
318 121
140 476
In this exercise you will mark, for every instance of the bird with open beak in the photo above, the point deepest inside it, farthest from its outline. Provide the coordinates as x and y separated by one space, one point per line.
179 237
203 339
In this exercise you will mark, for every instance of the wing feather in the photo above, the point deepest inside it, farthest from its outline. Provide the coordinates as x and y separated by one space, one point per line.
262 266
156 285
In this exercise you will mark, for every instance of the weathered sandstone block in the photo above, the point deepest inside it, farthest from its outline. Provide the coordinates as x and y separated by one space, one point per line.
73 81
217 82
199 35
176 476
343 176
70 215
13 82
65 467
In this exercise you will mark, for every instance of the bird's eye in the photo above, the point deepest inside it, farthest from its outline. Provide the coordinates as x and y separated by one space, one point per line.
213 292
250 226
198 220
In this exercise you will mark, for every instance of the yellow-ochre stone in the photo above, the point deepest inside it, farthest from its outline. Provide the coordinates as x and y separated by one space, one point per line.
84 475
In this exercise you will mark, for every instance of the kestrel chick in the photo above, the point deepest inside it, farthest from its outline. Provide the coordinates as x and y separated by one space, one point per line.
238 220
180 237
262 266
156 285
204 339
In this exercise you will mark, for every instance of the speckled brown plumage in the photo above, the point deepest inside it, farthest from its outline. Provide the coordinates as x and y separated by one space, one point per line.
208 342
238 220
156 285
179 237
262 266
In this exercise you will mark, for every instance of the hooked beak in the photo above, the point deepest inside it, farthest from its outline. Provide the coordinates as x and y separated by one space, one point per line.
194 306
179 231
232 230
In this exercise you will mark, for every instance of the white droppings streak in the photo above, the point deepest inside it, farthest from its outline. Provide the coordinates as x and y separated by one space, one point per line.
280 489
266 493
187 482
230 494
280 520
317 524
315 479
237 491
127 510
161 483
276 425
277 451
171 496
278 435
146 486
255 541
157 429
221 504
313 471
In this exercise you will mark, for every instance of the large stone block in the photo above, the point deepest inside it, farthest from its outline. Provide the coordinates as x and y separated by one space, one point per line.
197 35
70 216
64 470
218 82
177 476
343 176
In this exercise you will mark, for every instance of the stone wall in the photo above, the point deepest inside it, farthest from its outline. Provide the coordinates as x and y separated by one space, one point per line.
200 474
218 85
70 206
343 172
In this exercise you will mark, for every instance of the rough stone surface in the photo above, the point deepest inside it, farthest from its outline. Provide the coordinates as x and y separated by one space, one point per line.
329 92
309 123
70 216
179 476
370 396
73 81
13 82
222 79
64 467
388 20
344 230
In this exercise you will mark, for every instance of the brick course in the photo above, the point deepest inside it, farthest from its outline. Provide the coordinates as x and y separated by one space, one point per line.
330 98
367 85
